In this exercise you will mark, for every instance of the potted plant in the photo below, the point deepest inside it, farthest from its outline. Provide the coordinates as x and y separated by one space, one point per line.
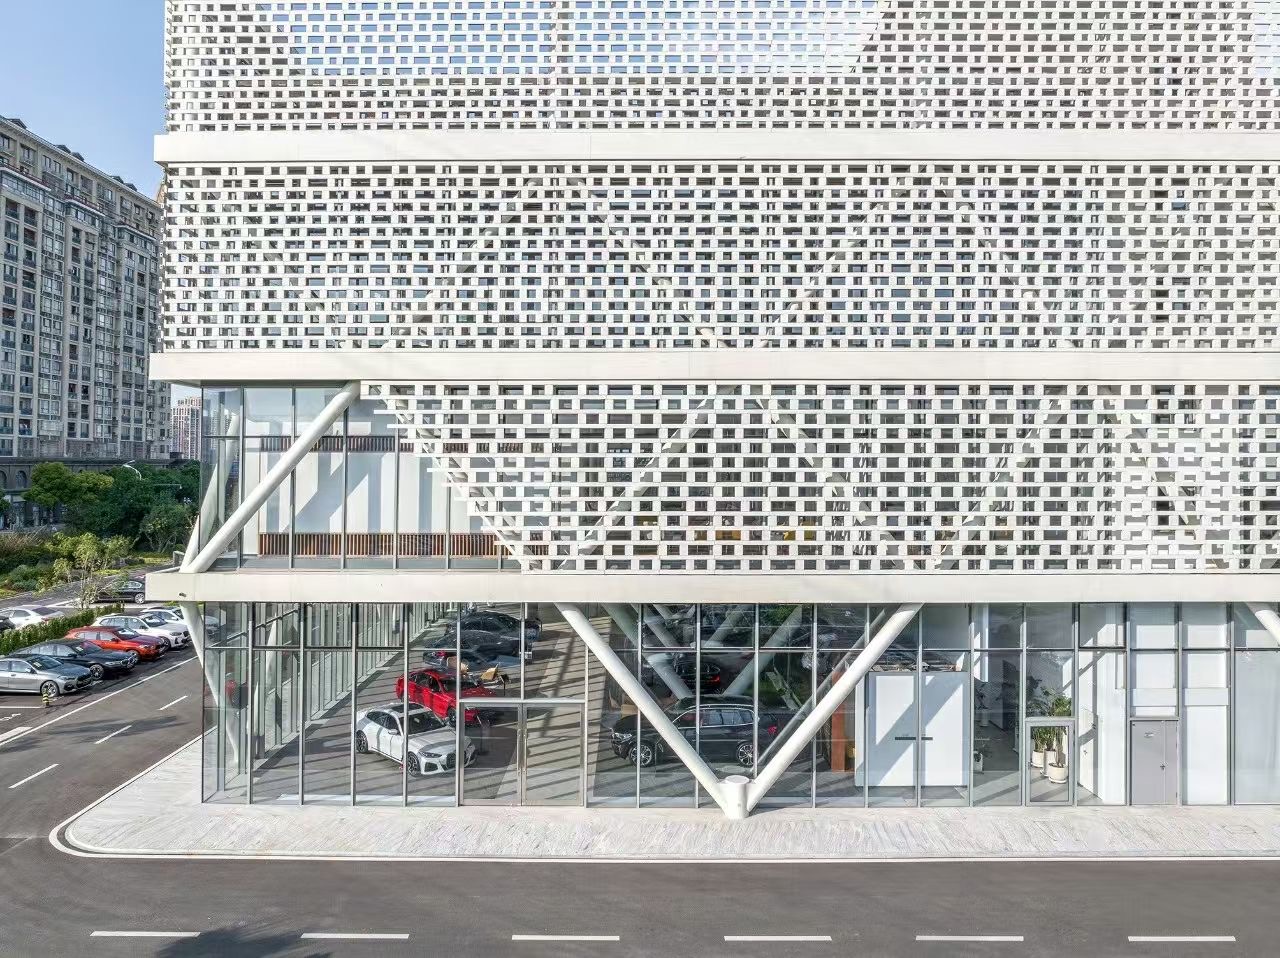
1041 742
1056 766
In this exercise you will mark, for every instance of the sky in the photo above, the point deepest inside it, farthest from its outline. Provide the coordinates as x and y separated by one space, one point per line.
89 74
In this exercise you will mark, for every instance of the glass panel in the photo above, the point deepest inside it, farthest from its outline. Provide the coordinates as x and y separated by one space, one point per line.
669 626
226 728
329 625
1204 727
552 755
276 624
1154 684
1003 627
1257 727
728 626
371 489
232 627
555 660
1206 625
842 626
1102 719
612 726
326 770
1153 625
264 541
892 730
945 626
1101 624
664 780
435 686
423 503
1050 684
379 745
945 752
268 411
277 722
1249 632
493 778
997 768
1049 626
1049 772
221 412
219 491
318 502
785 696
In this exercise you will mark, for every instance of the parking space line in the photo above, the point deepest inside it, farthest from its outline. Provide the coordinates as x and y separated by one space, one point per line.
144 934
174 702
1188 939
968 938
113 734
749 938
100 698
565 938
36 775
353 936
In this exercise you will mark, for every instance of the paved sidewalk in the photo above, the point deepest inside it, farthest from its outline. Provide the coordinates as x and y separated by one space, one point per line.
160 814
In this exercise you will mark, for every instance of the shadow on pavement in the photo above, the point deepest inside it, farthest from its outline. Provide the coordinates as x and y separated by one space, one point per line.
237 942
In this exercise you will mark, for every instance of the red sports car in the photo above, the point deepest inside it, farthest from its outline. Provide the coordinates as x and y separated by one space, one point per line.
119 640
435 690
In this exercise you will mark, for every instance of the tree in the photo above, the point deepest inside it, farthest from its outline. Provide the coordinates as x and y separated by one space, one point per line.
90 560
165 526
53 484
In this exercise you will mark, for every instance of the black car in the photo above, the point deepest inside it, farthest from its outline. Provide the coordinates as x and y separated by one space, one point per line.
710 676
131 588
499 623
489 645
719 731
97 660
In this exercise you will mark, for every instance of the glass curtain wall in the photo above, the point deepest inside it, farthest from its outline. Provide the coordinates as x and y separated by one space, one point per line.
972 704
359 498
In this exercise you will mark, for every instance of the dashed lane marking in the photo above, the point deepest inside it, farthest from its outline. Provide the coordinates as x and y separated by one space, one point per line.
113 734
24 781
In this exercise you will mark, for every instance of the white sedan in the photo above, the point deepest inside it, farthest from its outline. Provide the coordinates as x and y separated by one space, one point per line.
166 614
23 615
432 747
175 633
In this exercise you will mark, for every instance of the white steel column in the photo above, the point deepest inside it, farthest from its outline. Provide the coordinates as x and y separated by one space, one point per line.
650 709
1267 617
660 662
270 482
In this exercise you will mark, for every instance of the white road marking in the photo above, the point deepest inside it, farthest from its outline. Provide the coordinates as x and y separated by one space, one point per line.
968 938
36 775
174 702
144 934
564 938
101 698
14 732
113 734
354 936
1193 939
777 937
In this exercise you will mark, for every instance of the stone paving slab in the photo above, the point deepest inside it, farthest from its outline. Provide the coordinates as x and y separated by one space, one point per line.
160 814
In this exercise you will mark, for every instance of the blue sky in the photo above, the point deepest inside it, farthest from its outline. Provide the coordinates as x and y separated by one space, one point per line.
90 74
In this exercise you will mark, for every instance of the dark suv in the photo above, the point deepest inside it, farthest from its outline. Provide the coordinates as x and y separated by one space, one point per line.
720 730
97 660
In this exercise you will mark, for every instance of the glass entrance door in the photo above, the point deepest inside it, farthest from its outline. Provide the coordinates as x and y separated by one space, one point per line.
528 754
1049 745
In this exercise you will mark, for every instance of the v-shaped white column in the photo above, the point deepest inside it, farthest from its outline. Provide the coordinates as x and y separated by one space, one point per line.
737 794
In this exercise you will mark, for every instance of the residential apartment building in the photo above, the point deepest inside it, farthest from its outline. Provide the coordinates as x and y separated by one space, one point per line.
184 427
650 402
78 310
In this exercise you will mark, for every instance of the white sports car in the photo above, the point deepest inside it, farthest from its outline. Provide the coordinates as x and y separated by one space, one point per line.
432 745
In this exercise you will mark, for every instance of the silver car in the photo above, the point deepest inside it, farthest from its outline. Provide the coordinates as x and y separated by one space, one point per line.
175 633
42 673
432 747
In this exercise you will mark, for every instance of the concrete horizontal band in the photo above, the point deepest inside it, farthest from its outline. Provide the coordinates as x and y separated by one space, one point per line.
719 365
797 145
413 585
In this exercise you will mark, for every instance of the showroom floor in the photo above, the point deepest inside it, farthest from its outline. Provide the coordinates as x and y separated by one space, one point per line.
160 813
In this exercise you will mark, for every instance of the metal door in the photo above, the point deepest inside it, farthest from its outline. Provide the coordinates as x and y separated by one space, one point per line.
1153 762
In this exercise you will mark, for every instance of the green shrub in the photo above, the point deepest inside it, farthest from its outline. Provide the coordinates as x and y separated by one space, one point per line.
53 630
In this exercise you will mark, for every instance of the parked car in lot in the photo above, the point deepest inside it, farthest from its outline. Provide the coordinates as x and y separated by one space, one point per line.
476 667
129 588
174 633
686 666
40 674
119 640
169 614
97 660
434 689
23 615
500 623
719 731
432 748
483 646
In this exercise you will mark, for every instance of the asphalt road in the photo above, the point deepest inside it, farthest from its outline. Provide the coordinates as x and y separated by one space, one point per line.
54 903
